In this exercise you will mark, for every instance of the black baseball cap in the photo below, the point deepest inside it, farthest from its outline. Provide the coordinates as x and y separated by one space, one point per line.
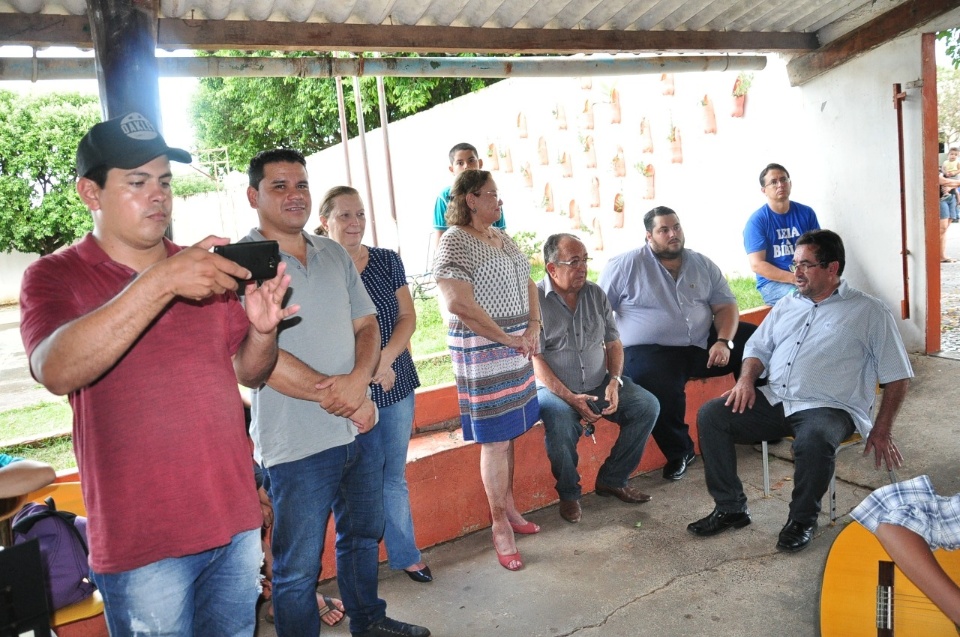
127 141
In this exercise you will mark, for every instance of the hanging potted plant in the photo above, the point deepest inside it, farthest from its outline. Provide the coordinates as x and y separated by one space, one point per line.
619 164
586 117
676 149
507 158
589 151
566 164
597 235
574 215
493 159
666 83
560 114
547 202
619 205
522 125
527 175
614 106
595 192
709 116
741 86
542 152
646 139
647 171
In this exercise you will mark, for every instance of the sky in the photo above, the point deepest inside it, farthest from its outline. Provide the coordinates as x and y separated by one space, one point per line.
175 93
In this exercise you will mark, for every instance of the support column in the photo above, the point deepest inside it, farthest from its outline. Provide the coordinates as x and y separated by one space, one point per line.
125 41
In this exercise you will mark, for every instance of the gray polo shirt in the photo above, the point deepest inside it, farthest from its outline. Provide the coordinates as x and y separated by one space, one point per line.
653 309
331 296
572 341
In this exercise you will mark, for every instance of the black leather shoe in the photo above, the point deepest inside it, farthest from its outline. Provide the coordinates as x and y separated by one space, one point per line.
422 575
718 522
795 536
674 469
387 627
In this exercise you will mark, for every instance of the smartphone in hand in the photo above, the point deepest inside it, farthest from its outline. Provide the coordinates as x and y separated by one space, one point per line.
597 405
260 257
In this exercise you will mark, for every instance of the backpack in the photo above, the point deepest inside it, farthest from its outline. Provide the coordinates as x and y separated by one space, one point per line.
63 550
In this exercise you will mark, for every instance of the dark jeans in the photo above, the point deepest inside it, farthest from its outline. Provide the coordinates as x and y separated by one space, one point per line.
818 433
664 370
636 414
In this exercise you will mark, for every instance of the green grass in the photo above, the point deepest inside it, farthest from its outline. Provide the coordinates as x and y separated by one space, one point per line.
435 371
745 289
57 452
35 421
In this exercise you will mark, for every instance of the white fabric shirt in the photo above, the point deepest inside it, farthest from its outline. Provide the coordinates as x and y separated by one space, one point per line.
829 354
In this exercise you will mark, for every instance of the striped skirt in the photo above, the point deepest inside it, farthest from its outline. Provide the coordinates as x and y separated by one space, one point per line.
495 384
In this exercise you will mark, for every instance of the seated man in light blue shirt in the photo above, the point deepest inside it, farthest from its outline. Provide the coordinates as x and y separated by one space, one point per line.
823 350
678 320
578 379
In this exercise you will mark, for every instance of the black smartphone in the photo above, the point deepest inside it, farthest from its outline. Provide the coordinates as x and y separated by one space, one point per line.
597 405
260 257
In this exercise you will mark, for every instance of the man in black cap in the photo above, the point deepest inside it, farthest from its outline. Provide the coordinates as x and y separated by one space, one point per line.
149 341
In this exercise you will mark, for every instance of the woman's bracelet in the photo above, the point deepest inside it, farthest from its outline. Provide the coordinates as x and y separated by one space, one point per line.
535 321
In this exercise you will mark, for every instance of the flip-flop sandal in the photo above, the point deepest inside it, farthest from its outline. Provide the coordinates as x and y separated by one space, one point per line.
328 607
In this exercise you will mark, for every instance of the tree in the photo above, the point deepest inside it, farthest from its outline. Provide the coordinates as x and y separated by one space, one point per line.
40 210
952 39
247 115
948 104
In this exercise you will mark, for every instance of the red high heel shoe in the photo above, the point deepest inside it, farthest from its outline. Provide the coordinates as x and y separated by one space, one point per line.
528 528
512 562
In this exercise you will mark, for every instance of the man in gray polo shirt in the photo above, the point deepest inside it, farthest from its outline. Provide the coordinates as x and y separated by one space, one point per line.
310 416
578 379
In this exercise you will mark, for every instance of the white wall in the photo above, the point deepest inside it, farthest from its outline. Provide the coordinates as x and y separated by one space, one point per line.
850 137
12 266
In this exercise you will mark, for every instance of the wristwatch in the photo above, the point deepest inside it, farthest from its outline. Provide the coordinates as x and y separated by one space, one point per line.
727 342
618 379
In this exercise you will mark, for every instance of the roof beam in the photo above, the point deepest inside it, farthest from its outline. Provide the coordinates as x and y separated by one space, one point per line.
884 28
57 30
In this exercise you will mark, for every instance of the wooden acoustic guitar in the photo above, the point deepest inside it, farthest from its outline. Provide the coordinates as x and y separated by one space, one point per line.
865 594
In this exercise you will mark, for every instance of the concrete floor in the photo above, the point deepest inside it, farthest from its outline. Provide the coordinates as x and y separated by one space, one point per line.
634 570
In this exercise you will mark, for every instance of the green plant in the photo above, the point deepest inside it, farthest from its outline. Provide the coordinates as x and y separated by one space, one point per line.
193 184
56 451
742 84
530 245
745 289
35 421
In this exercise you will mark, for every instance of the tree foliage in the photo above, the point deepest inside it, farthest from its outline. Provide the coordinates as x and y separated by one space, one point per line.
40 210
247 115
948 104
951 38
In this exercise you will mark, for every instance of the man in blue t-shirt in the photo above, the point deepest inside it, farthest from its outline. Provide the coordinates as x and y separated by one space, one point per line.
771 234
463 156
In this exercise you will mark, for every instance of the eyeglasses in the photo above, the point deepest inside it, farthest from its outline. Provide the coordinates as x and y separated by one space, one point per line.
777 182
575 263
803 266
495 193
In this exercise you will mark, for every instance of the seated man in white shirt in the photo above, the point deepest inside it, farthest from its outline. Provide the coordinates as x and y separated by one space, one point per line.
823 350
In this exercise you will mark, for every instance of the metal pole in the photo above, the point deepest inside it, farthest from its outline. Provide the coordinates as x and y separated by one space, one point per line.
80 68
358 103
382 96
344 130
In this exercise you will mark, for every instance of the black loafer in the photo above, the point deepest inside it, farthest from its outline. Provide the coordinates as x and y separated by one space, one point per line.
422 575
795 536
718 522
674 469
387 627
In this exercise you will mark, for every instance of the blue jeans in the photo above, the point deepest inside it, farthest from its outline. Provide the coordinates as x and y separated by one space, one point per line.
349 480
818 433
636 414
210 593
773 291
394 429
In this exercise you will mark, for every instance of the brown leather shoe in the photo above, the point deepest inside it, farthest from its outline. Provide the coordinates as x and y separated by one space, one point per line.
570 510
627 494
